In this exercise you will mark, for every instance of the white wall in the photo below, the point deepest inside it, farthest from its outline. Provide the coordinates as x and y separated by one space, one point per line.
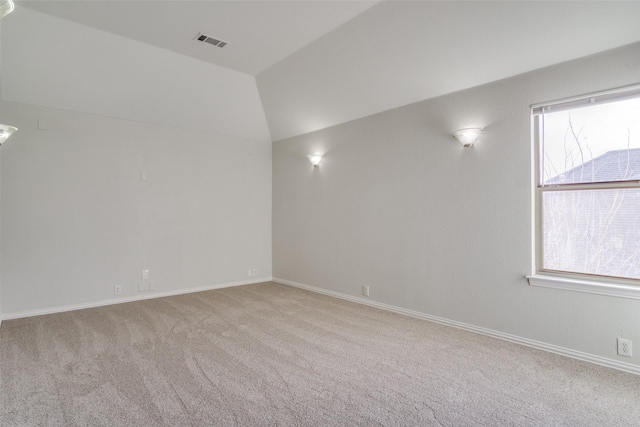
56 63
76 217
0 163
400 52
398 205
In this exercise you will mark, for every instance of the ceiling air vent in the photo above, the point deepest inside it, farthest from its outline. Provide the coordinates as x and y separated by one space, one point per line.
211 40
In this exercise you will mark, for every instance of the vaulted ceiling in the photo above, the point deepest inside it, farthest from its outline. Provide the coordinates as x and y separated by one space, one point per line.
260 33
320 63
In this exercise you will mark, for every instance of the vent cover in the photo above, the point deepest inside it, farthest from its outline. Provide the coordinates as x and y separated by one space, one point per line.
211 40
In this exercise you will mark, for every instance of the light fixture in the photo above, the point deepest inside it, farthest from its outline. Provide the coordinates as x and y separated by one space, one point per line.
315 159
5 132
6 7
468 136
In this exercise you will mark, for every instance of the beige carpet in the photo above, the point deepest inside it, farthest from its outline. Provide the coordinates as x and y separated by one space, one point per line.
268 354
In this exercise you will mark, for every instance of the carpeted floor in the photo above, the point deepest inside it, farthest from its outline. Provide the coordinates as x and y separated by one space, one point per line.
269 354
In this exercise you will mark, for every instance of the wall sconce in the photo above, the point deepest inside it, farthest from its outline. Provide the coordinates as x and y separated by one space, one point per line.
468 136
5 132
315 159
6 7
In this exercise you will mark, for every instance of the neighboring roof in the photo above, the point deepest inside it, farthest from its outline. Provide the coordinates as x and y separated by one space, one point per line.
616 165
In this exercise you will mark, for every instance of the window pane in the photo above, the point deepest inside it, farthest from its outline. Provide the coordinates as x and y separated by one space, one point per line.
598 143
592 231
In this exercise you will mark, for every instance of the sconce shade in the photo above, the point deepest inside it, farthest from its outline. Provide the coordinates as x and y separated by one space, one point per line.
6 7
468 136
315 159
5 132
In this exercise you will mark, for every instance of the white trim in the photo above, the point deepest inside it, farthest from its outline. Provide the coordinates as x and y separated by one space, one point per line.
592 287
598 360
112 301
613 185
605 95
624 287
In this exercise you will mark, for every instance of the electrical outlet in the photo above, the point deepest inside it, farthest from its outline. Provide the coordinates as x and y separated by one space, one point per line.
624 347
250 273
255 272
117 290
365 291
143 286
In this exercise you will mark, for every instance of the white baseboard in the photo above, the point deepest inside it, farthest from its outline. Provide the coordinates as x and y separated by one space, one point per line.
598 360
122 300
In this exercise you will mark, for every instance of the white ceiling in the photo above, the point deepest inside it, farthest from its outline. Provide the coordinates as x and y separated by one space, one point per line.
397 53
320 63
260 33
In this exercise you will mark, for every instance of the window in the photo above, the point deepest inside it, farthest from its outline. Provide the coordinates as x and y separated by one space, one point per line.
587 195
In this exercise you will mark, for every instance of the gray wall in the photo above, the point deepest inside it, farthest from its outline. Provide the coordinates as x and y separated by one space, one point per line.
398 205
76 217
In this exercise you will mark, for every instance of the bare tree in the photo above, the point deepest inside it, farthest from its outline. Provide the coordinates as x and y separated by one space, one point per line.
591 231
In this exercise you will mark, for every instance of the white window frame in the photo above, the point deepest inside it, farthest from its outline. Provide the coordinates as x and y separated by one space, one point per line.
582 282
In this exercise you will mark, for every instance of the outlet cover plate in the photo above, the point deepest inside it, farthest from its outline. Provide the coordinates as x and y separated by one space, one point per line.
624 347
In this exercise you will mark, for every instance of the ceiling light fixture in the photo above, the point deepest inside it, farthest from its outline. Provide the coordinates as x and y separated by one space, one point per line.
315 159
467 136
6 7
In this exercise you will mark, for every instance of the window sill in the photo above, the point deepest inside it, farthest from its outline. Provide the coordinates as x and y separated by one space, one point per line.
579 285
